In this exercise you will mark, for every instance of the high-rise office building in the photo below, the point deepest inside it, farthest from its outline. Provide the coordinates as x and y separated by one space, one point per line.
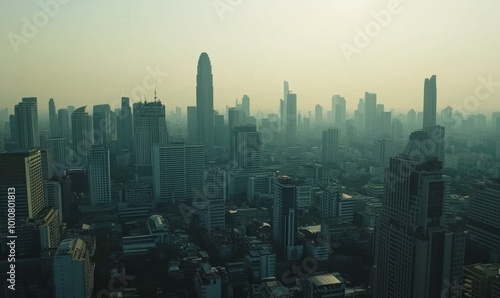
383 150
22 171
430 99
245 105
283 106
415 254
55 131
150 128
330 147
339 112
220 131
125 131
411 120
205 103
101 117
192 119
291 117
99 175
235 119
247 147
63 119
81 127
484 216
370 109
318 116
177 171
285 218
73 270
26 113
14 132
58 150
53 195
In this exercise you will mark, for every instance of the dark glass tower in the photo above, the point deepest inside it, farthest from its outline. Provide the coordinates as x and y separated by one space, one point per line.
205 103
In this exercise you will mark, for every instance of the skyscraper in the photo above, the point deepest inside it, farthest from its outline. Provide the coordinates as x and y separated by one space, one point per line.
285 217
370 114
330 148
234 120
483 215
245 105
177 171
27 123
150 128
283 106
54 124
205 103
22 171
192 134
99 175
81 126
415 254
125 131
102 124
318 116
248 147
430 94
63 120
339 112
291 117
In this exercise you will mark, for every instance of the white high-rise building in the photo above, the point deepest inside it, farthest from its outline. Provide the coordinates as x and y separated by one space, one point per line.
99 175
73 270
177 171
50 228
22 171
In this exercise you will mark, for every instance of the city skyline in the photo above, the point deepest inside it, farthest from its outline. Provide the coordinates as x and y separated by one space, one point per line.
309 57
231 148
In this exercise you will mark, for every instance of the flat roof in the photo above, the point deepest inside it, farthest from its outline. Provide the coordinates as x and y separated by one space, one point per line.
323 280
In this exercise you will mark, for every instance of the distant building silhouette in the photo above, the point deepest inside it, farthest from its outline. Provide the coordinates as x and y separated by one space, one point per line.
26 118
430 94
205 103
150 128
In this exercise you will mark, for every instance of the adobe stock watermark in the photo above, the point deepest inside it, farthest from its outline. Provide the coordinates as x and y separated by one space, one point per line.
224 6
48 9
364 36
115 284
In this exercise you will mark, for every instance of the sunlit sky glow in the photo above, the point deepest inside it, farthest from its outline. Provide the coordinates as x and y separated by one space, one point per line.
94 52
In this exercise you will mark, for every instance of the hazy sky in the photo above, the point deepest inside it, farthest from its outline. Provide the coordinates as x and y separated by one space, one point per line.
91 52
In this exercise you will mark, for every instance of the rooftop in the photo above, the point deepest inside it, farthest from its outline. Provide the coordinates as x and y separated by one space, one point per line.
324 280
